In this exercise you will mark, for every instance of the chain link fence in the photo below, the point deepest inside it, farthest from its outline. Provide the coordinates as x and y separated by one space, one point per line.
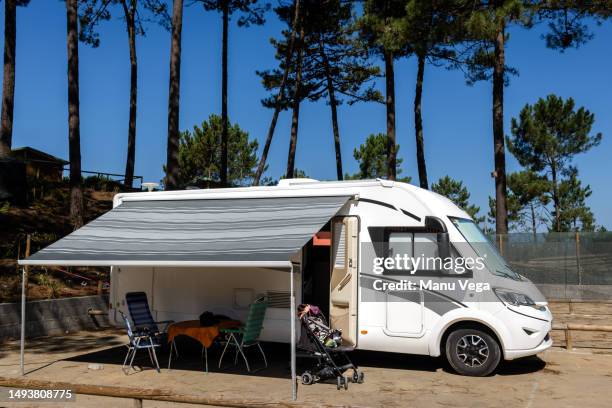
575 265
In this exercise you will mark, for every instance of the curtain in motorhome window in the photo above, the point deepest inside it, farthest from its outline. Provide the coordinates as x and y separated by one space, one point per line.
400 243
339 245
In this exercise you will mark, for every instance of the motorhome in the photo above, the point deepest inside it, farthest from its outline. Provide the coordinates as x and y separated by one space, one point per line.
177 245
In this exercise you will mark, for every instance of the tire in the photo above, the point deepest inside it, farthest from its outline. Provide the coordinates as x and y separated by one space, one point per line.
357 377
307 378
472 352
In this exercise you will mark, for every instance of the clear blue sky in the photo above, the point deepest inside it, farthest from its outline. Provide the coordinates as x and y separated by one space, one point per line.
457 118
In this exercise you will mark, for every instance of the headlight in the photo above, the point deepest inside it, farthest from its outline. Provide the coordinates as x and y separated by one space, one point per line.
516 299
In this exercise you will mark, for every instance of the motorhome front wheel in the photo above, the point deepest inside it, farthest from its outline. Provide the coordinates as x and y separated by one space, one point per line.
472 352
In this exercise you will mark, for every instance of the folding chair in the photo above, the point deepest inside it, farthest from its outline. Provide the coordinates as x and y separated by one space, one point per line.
139 340
140 313
247 335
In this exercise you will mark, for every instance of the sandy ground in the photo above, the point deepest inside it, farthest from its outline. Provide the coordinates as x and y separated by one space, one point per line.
556 378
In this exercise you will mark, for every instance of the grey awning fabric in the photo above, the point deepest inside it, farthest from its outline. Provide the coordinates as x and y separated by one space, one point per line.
195 232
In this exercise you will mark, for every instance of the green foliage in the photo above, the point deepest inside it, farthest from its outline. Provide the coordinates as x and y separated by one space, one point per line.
297 173
251 11
331 48
372 158
53 286
4 206
481 22
527 201
200 155
455 191
432 28
550 133
102 183
93 12
382 28
574 214
567 21
545 139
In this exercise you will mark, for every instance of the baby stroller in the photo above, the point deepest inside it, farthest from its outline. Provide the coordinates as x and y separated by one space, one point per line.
319 342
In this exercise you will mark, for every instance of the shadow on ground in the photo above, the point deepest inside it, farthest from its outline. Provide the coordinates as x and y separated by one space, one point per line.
191 358
66 344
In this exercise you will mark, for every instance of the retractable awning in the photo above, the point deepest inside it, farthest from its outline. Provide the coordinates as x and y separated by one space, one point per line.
191 232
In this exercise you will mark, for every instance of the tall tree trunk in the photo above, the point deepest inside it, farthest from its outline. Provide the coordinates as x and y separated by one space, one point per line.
533 222
390 98
224 130
130 16
297 99
418 123
501 210
74 136
172 165
281 90
555 194
333 103
8 83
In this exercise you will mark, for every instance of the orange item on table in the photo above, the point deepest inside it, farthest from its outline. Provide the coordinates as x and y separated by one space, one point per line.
192 328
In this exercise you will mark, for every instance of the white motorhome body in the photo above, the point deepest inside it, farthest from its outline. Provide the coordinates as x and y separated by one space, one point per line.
511 320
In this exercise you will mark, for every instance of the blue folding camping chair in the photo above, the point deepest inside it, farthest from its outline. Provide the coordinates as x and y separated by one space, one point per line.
139 340
140 313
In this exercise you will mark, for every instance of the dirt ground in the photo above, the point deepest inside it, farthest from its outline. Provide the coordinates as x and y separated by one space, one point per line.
556 378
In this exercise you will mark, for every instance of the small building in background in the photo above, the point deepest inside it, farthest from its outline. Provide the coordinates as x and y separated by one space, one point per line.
40 165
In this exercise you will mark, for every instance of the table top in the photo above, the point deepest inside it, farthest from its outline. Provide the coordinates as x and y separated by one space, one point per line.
204 334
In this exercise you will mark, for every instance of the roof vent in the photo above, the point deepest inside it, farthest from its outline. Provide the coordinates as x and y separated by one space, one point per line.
296 181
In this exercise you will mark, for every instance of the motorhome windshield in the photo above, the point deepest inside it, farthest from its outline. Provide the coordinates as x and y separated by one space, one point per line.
483 247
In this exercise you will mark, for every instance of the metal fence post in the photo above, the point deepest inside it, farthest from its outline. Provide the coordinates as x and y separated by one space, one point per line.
578 258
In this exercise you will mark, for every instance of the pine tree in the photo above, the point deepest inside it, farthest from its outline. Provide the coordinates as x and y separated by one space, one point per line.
74 131
278 101
455 191
8 79
172 163
485 34
545 139
333 64
381 26
251 12
430 30
135 13
200 155
372 158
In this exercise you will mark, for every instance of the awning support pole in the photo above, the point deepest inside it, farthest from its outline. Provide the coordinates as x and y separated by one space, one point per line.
23 318
292 319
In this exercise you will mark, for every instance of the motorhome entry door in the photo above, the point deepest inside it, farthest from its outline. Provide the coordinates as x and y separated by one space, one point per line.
344 277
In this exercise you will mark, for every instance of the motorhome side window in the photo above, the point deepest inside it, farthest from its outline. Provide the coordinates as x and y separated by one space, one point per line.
422 249
412 245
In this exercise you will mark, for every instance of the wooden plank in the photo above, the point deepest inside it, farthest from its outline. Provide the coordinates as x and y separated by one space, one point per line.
154 394
592 339
592 308
559 307
564 318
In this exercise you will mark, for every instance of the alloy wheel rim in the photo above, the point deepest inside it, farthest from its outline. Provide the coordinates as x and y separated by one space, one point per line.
472 350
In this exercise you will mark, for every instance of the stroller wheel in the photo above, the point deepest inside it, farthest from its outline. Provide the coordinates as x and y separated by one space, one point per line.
307 378
342 383
358 376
